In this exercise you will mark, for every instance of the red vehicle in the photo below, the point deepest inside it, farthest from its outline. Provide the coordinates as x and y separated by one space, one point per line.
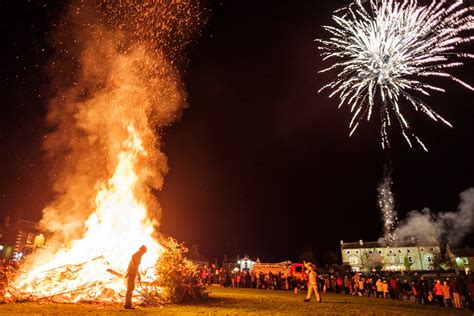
295 270
298 271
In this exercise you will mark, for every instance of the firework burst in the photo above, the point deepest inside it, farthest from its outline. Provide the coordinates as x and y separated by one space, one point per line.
386 54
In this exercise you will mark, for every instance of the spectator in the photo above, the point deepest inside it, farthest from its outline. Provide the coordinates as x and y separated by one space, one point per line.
379 288
447 294
439 293
385 288
455 289
347 285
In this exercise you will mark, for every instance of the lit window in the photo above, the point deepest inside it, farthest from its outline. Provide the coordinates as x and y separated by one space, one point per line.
30 238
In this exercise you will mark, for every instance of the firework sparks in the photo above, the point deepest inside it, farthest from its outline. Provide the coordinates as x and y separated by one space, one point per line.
385 55
386 203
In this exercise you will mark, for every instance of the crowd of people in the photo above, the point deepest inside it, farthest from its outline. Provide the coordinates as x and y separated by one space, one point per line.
452 292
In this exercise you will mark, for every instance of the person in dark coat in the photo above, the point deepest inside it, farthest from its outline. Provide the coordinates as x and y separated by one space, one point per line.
132 274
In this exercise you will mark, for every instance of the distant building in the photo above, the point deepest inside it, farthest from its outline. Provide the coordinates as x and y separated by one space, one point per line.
194 256
229 264
19 239
367 256
462 260
246 263
242 264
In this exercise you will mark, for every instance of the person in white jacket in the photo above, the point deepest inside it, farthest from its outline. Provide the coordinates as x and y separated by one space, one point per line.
312 283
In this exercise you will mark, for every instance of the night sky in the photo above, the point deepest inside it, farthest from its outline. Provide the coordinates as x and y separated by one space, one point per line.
260 162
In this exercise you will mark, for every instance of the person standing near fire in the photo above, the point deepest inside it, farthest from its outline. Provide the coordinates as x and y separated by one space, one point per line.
132 274
312 283
3 284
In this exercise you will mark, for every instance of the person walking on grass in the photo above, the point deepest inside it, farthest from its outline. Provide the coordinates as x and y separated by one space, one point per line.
132 274
312 284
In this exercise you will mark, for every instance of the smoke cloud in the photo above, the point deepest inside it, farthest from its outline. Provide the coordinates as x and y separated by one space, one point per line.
438 228
115 66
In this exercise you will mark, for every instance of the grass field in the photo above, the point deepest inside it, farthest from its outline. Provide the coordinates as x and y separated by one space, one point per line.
244 302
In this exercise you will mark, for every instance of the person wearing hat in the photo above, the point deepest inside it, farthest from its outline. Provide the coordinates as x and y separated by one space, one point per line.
312 283
132 274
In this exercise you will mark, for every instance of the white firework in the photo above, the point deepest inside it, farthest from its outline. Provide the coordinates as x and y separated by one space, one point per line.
386 201
387 52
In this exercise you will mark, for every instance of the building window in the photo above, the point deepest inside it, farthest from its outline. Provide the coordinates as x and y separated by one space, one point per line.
408 250
380 251
353 260
357 251
399 251
431 249
466 262
410 259
348 252
391 251
422 249
30 238
27 251
392 259
429 259
371 251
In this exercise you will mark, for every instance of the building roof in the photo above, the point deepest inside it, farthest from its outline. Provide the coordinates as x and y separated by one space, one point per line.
463 252
367 244
195 256
375 244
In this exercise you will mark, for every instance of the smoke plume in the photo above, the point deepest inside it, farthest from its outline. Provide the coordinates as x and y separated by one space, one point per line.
438 228
114 67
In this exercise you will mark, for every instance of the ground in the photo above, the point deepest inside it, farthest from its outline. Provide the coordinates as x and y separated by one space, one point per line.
245 301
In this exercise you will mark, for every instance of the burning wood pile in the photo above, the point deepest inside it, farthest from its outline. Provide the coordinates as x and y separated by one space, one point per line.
65 285
172 279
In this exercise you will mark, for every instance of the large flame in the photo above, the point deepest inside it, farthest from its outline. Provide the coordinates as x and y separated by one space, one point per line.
115 85
117 228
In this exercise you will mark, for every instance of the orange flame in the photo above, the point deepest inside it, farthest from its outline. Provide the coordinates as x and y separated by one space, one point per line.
117 228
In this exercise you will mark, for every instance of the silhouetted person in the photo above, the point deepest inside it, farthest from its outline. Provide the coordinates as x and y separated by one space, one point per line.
132 274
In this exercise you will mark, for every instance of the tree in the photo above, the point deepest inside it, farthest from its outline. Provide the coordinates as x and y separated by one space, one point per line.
177 279
407 263
306 255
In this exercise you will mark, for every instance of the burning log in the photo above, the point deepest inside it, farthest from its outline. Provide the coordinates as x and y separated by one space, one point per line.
117 274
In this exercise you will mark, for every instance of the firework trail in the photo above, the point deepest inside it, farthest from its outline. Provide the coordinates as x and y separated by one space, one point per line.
386 54
386 203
